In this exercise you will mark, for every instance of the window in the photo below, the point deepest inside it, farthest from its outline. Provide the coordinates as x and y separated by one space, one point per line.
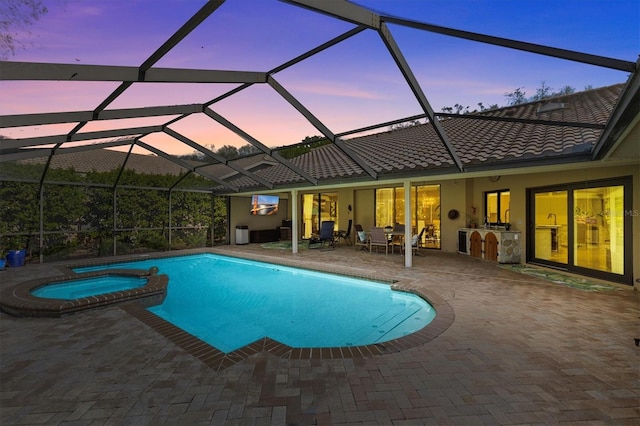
496 207
425 207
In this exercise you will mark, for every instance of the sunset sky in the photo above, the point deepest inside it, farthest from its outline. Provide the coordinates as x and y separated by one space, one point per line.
348 86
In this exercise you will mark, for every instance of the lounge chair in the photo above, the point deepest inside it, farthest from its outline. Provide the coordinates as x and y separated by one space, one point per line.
325 236
362 239
377 238
345 235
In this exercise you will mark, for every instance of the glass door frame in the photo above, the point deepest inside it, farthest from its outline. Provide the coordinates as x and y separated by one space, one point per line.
626 182
419 220
318 213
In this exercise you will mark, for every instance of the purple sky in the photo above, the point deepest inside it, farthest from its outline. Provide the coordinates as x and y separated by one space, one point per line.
351 85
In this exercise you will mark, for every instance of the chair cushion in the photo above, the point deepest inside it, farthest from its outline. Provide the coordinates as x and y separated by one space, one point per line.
362 235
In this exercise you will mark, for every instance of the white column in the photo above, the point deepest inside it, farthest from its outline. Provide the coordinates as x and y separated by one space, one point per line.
294 221
408 253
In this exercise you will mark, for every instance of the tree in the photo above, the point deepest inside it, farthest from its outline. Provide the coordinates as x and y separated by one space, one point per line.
228 151
516 97
247 149
489 108
566 90
16 16
307 144
404 125
542 92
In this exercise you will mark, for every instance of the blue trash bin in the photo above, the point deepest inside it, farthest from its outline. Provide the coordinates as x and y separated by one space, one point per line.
15 258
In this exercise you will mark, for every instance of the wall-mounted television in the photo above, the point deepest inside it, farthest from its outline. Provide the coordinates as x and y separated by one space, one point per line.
264 205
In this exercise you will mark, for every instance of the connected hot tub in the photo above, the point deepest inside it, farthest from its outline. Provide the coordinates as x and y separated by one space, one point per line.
55 297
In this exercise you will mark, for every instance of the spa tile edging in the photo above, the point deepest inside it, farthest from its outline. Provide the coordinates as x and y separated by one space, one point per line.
19 301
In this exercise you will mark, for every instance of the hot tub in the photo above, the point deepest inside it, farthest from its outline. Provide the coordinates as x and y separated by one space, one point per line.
110 287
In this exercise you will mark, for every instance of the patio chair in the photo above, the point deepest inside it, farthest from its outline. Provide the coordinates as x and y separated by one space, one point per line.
377 238
325 236
397 237
430 235
345 235
362 239
416 243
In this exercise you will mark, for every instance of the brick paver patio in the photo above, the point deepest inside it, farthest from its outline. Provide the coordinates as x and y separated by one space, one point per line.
519 351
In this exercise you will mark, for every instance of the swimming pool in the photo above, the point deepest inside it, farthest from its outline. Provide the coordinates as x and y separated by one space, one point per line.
230 302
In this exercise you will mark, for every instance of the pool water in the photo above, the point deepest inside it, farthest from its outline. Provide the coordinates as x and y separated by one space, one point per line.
231 302
85 287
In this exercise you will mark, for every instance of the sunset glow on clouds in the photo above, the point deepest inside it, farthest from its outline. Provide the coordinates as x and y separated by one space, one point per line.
348 86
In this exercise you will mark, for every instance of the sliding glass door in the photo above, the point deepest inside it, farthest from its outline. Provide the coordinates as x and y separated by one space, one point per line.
599 235
551 224
583 227
317 208
425 206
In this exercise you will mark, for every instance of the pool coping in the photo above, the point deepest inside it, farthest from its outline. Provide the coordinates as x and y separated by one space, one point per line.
218 360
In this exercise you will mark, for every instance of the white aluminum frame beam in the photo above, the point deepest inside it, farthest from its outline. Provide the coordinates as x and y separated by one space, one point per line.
59 139
349 12
253 141
570 55
412 81
18 120
320 126
28 153
356 14
79 72
608 141
219 158
185 165
343 10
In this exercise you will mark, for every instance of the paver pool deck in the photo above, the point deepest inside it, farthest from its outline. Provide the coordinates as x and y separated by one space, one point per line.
520 350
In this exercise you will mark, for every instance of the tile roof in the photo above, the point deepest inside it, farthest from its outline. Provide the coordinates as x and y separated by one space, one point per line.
482 141
104 160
